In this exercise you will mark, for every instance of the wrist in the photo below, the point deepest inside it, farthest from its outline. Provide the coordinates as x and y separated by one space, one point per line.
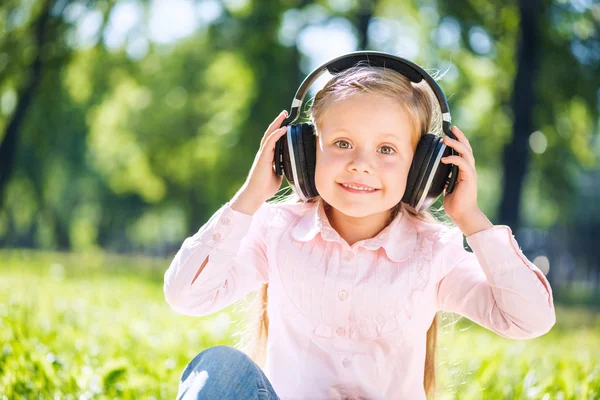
472 222
245 202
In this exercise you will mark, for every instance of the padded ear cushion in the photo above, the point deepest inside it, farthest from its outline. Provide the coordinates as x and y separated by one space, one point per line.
418 168
430 172
299 157
441 172
287 161
310 158
305 155
302 153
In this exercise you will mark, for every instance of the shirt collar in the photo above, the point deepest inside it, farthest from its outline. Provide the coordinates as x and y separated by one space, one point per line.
399 238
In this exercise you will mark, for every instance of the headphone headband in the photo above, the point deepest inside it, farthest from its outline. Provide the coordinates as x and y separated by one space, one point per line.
376 59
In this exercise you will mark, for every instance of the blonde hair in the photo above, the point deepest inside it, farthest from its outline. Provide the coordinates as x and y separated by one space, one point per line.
419 101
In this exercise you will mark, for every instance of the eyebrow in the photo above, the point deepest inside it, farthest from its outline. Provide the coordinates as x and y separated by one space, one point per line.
382 134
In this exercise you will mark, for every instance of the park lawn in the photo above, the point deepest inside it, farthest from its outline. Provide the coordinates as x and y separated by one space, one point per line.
95 326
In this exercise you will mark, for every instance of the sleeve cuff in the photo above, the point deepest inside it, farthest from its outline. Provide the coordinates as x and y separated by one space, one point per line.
225 229
491 245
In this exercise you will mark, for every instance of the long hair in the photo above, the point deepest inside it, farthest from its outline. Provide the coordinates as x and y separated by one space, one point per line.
419 101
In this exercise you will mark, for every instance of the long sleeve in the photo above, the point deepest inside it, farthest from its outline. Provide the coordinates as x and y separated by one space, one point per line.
496 286
237 263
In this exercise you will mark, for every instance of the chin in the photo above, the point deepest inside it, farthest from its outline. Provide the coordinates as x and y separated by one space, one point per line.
356 211
357 208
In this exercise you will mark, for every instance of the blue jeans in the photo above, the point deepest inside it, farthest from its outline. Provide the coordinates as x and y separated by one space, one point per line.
222 372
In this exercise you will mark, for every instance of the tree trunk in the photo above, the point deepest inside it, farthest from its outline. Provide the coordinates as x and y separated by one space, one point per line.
8 147
516 153
365 13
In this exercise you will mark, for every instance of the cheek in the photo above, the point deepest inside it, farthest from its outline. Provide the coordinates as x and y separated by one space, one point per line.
395 175
328 168
323 164
327 159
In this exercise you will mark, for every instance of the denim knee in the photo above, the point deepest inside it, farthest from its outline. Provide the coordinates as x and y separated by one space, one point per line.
215 354
226 371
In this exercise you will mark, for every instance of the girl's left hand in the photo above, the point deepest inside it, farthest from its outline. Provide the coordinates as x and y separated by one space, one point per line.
463 200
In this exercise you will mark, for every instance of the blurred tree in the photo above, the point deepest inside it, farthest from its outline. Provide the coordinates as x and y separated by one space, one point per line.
516 153
364 16
131 141
40 35
550 39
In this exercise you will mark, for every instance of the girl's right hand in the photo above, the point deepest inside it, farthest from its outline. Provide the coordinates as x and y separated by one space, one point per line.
262 182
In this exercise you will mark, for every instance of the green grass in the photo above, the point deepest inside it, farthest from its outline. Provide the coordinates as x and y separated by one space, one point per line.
96 326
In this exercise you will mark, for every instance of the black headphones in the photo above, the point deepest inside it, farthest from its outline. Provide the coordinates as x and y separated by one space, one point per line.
427 175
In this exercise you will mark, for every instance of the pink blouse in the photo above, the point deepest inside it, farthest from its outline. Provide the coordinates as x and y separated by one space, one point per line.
350 322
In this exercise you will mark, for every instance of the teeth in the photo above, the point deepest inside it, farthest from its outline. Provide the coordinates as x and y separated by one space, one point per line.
357 187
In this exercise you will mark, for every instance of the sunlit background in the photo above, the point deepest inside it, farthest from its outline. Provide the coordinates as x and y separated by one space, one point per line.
125 124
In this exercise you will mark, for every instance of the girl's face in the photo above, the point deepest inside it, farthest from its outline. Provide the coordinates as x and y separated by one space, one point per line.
364 140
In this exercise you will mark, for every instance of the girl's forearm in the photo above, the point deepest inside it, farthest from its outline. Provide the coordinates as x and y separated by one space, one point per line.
246 202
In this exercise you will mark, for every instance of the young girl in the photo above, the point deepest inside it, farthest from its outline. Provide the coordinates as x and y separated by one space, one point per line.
354 278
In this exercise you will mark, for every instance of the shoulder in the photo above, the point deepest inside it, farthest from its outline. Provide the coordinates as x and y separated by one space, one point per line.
439 240
439 233
446 244
291 210
285 213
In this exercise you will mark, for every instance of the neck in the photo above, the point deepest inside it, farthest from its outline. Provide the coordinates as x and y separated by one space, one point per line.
355 229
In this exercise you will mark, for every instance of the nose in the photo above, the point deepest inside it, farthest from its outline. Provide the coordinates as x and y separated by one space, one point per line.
361 161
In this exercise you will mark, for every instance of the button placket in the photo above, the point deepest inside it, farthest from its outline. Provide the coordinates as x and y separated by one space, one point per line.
345 278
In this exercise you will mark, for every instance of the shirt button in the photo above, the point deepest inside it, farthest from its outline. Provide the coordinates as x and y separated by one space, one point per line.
225 221
348 256
342 295
217 237
346 363
341 331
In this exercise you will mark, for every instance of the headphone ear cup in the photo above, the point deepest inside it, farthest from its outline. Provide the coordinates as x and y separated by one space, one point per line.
305 157
310 159
418 169
429 175
441 172
278 156
299 159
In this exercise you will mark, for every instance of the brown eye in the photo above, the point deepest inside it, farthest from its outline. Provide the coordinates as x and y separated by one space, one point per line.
390 150
340 146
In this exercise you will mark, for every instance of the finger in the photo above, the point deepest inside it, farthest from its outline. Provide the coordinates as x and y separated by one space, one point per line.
461 163
461 137
273 137
273 126
276 122
460 148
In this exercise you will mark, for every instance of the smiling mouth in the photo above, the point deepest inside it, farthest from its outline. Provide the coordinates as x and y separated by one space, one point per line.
357 189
